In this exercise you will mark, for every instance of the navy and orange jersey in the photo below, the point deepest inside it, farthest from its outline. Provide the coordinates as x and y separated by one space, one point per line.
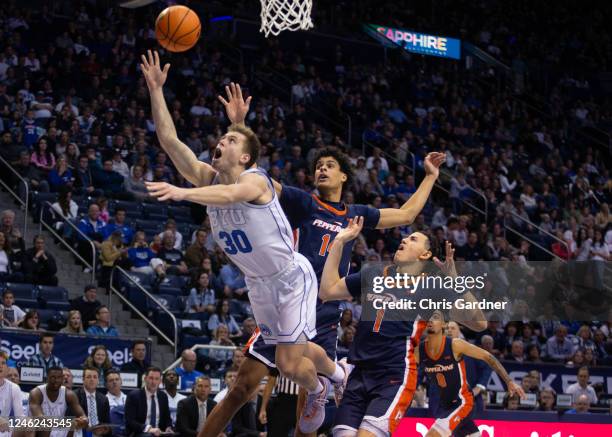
382 340
316 223
447 374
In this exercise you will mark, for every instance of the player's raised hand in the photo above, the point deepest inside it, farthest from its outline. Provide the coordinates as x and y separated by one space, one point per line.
164 191
448 266
432 163
515 389
152 71
351 231
236 106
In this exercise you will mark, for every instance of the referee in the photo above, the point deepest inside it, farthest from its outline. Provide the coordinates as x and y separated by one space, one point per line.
279 413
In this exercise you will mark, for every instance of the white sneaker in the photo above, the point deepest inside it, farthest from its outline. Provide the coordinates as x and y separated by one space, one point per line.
314 411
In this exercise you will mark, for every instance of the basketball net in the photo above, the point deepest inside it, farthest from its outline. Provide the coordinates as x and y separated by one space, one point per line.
279 15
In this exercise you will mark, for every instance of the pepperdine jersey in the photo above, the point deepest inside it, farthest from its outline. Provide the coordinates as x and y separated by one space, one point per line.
316 223
388 337
257 238
447 373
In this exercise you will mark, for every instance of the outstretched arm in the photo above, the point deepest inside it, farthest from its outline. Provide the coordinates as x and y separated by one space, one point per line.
391 217
197 172
462 347
333 287
250 188
237 108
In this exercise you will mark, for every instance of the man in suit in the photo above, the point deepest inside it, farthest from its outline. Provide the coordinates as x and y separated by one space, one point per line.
146 410
193 411
94 404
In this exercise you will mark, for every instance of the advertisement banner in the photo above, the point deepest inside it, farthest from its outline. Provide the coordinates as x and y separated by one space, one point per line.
417 427
555 376
71 349
415 42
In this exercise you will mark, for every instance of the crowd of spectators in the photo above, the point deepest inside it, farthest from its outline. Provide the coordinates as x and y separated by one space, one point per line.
75 121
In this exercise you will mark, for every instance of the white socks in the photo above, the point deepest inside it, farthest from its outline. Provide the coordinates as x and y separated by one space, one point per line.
338 375
319 388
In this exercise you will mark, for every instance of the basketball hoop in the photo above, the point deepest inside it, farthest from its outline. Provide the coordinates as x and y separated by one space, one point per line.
279 15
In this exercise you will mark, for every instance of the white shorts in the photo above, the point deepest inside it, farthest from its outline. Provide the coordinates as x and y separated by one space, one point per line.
285 305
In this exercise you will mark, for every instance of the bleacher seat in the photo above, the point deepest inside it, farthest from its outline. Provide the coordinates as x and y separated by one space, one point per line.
180 213
52 293
128 205
47 314
60 305
23 302
169 289
22 291
155 211
175 281
170 302
140 278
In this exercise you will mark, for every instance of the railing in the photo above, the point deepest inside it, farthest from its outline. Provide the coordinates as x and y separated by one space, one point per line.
438 185
540 230
61 238
195 347
125 300
23 202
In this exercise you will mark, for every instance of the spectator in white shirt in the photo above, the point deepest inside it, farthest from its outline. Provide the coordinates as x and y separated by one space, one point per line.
174 397
116 398
582 387
230 378
12 314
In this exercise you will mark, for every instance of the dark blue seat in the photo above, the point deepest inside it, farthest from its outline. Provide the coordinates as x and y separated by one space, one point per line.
179 213
22 291
26 303
169 301
45 315
175 281
142 224
165 323
190 340
143 279
52 293
154 210
60 305
169 289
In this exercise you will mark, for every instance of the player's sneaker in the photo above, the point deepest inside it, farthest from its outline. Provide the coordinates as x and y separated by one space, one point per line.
314 410
340 386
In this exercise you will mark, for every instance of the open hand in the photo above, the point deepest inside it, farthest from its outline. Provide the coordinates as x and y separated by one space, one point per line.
432 163
164 191
236 106
448 266
515 389
151 69
351 231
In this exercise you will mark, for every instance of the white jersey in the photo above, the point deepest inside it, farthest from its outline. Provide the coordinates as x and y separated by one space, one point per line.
11 404
257 238
56 409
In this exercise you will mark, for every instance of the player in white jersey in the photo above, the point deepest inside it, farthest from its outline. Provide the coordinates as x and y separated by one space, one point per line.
10 397
53 399
248 223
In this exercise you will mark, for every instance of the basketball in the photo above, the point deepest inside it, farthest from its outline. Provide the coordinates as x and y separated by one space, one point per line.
177 28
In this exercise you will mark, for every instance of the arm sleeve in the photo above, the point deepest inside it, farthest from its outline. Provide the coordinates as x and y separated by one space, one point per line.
296 204
371 215
353 284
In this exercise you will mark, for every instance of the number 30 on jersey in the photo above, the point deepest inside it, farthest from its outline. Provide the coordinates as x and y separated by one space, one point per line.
235 242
